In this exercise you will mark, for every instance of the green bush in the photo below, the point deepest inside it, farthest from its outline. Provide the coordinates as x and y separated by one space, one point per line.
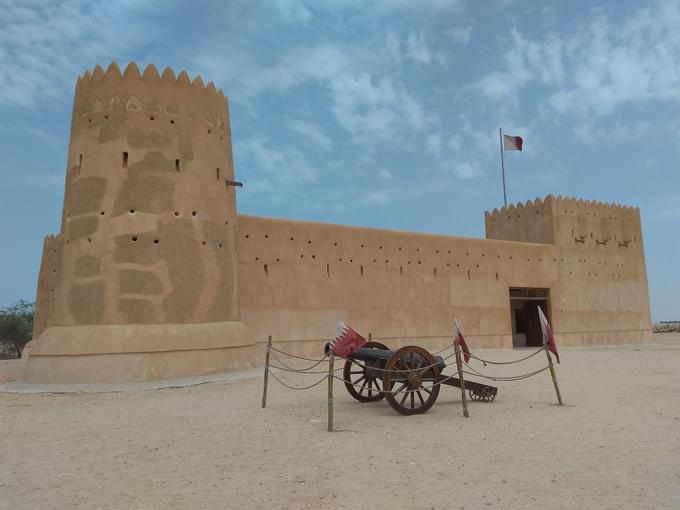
16 325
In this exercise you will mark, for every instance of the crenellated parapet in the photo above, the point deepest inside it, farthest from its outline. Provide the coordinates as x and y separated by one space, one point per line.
593 223
100 91
526 222
566 221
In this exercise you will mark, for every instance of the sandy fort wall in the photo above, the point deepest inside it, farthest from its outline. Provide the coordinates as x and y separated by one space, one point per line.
147 230
155 275
47 284
402 287
407 288
602 293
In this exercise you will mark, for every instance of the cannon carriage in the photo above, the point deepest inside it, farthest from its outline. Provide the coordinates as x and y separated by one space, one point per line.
409 378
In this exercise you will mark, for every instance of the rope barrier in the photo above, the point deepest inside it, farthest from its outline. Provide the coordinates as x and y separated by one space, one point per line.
306 369
271 347
285 369
325 358
508 378
298 387
486 361
442 350
363 366
369 368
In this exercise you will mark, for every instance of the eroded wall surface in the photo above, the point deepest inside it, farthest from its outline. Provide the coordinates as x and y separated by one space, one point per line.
603 294
145 225
403 287
295 277
148 225
154 274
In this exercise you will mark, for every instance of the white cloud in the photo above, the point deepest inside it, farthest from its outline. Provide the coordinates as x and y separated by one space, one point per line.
385 174
285 166
371 105
45 45
293 10
48 139
466 170
599 66
460 35
590 133
379 197
374 109
417 48
393 48
434 143
455 143
312 132
485 140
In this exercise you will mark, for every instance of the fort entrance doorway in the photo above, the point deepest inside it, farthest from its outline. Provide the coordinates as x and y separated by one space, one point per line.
526 325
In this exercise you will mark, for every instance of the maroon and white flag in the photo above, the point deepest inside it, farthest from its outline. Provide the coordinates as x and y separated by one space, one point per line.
512 143
346 340
548 336
461 340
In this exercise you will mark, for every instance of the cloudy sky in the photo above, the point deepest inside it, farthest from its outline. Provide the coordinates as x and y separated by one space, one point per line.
381 113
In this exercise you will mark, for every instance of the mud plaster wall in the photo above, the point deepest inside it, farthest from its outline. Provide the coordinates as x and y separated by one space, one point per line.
148 224
47 285
603 294
149 240
294 277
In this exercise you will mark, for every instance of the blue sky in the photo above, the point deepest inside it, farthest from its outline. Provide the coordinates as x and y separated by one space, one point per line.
381 113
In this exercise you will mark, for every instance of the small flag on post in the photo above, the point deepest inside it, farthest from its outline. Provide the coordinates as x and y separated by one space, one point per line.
512 143
346 340
508 143
548 336
461 339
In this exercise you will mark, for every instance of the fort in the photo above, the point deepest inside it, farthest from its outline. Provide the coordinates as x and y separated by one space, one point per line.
155 275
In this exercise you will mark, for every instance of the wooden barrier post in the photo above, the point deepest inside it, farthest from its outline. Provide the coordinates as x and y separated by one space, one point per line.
266 373
554 377
331 359
459 364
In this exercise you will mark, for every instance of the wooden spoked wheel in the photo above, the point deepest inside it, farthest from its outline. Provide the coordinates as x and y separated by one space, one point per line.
409 380
365 383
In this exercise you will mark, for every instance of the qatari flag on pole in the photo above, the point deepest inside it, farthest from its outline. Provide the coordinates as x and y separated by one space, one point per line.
508 143
548 336
461 339
512 143
346 340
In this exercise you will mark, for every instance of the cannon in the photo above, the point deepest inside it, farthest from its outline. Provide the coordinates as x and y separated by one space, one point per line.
409 378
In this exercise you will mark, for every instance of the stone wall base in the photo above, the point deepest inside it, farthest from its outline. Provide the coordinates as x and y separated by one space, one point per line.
114 353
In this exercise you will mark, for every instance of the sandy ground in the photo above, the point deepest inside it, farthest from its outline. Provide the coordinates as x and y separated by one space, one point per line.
616 444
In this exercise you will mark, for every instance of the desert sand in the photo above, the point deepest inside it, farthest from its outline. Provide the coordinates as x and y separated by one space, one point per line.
615 444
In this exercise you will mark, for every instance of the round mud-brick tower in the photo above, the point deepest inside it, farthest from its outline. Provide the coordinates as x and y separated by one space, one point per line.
141 283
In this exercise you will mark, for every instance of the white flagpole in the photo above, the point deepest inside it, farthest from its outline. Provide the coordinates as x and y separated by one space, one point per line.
505 197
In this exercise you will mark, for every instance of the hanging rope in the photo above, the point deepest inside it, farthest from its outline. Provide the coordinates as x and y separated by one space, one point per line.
293 369
442 350
293 356
486 361
298 387
284 368
506 379
474 372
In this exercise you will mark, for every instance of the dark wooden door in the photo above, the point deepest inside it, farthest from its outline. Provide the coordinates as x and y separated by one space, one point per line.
533 322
